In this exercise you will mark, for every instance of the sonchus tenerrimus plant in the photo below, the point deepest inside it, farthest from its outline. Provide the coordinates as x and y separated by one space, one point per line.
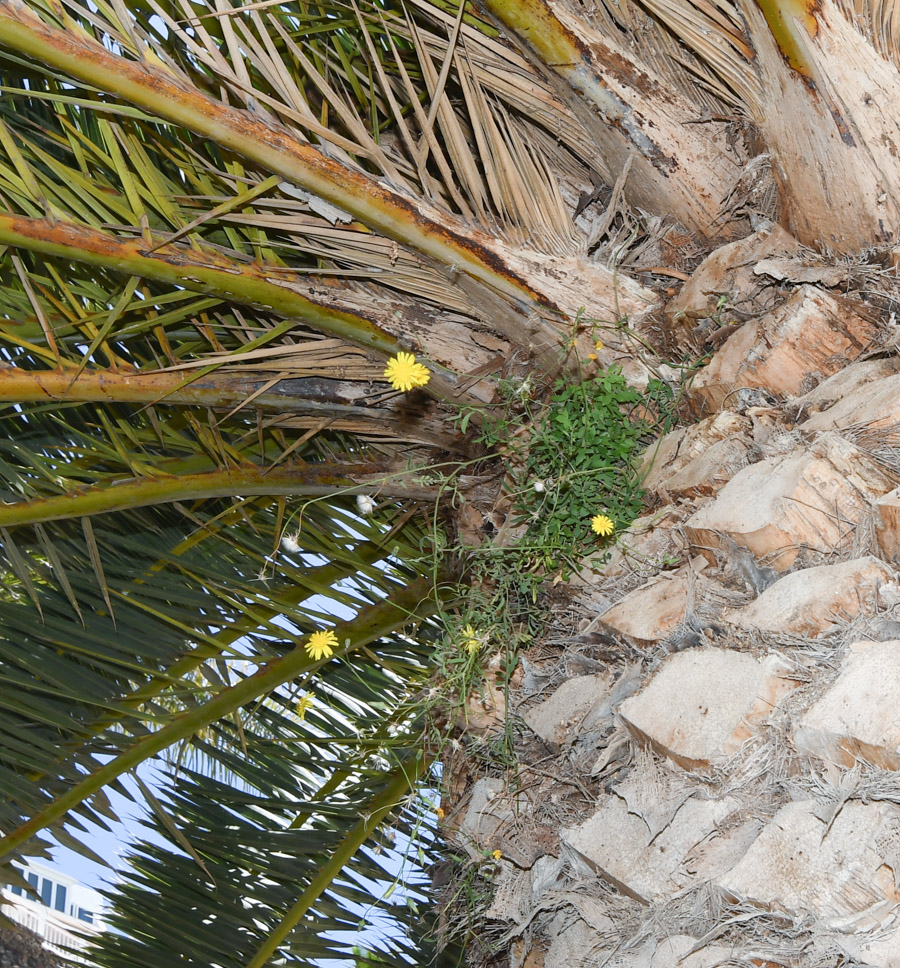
234 240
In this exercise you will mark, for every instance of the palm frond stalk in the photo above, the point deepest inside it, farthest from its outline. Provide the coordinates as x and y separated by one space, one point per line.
299 480
511 271
301 401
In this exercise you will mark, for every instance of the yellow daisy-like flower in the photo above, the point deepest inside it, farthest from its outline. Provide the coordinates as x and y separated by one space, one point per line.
598 345
471 640
602 525
403 373
304 703
321 645
592 357
496 854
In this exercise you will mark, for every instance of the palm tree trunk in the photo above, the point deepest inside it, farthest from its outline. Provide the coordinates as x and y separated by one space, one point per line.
828 115
680 167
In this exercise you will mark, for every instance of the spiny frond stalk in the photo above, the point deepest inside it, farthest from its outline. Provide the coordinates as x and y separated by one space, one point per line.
312 401
300 480
206 272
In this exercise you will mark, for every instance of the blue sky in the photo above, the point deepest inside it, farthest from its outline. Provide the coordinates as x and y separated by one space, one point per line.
112 844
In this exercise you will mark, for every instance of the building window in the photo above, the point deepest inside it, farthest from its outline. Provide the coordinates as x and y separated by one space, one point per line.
85 916
60 898
47 892
32 880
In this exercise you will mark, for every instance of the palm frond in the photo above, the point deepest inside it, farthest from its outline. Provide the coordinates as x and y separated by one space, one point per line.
353 172
367 626
95 694
263 874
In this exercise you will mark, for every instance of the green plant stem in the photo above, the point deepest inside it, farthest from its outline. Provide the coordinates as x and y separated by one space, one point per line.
294 479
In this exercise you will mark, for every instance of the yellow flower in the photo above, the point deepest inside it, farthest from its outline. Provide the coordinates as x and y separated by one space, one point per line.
602 525
321 645
592 357
403 373
598 345
496 854
471 639
441 813
303 704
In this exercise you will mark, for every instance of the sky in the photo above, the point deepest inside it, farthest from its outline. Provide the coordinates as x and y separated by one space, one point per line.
111 844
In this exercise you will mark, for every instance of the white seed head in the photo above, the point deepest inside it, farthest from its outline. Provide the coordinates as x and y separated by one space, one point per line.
539 487
290 543
365 504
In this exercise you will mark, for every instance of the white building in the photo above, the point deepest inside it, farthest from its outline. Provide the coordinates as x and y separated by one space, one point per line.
61 912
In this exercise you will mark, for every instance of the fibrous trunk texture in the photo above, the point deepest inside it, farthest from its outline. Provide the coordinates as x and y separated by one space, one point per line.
828 114
707 766
679 167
